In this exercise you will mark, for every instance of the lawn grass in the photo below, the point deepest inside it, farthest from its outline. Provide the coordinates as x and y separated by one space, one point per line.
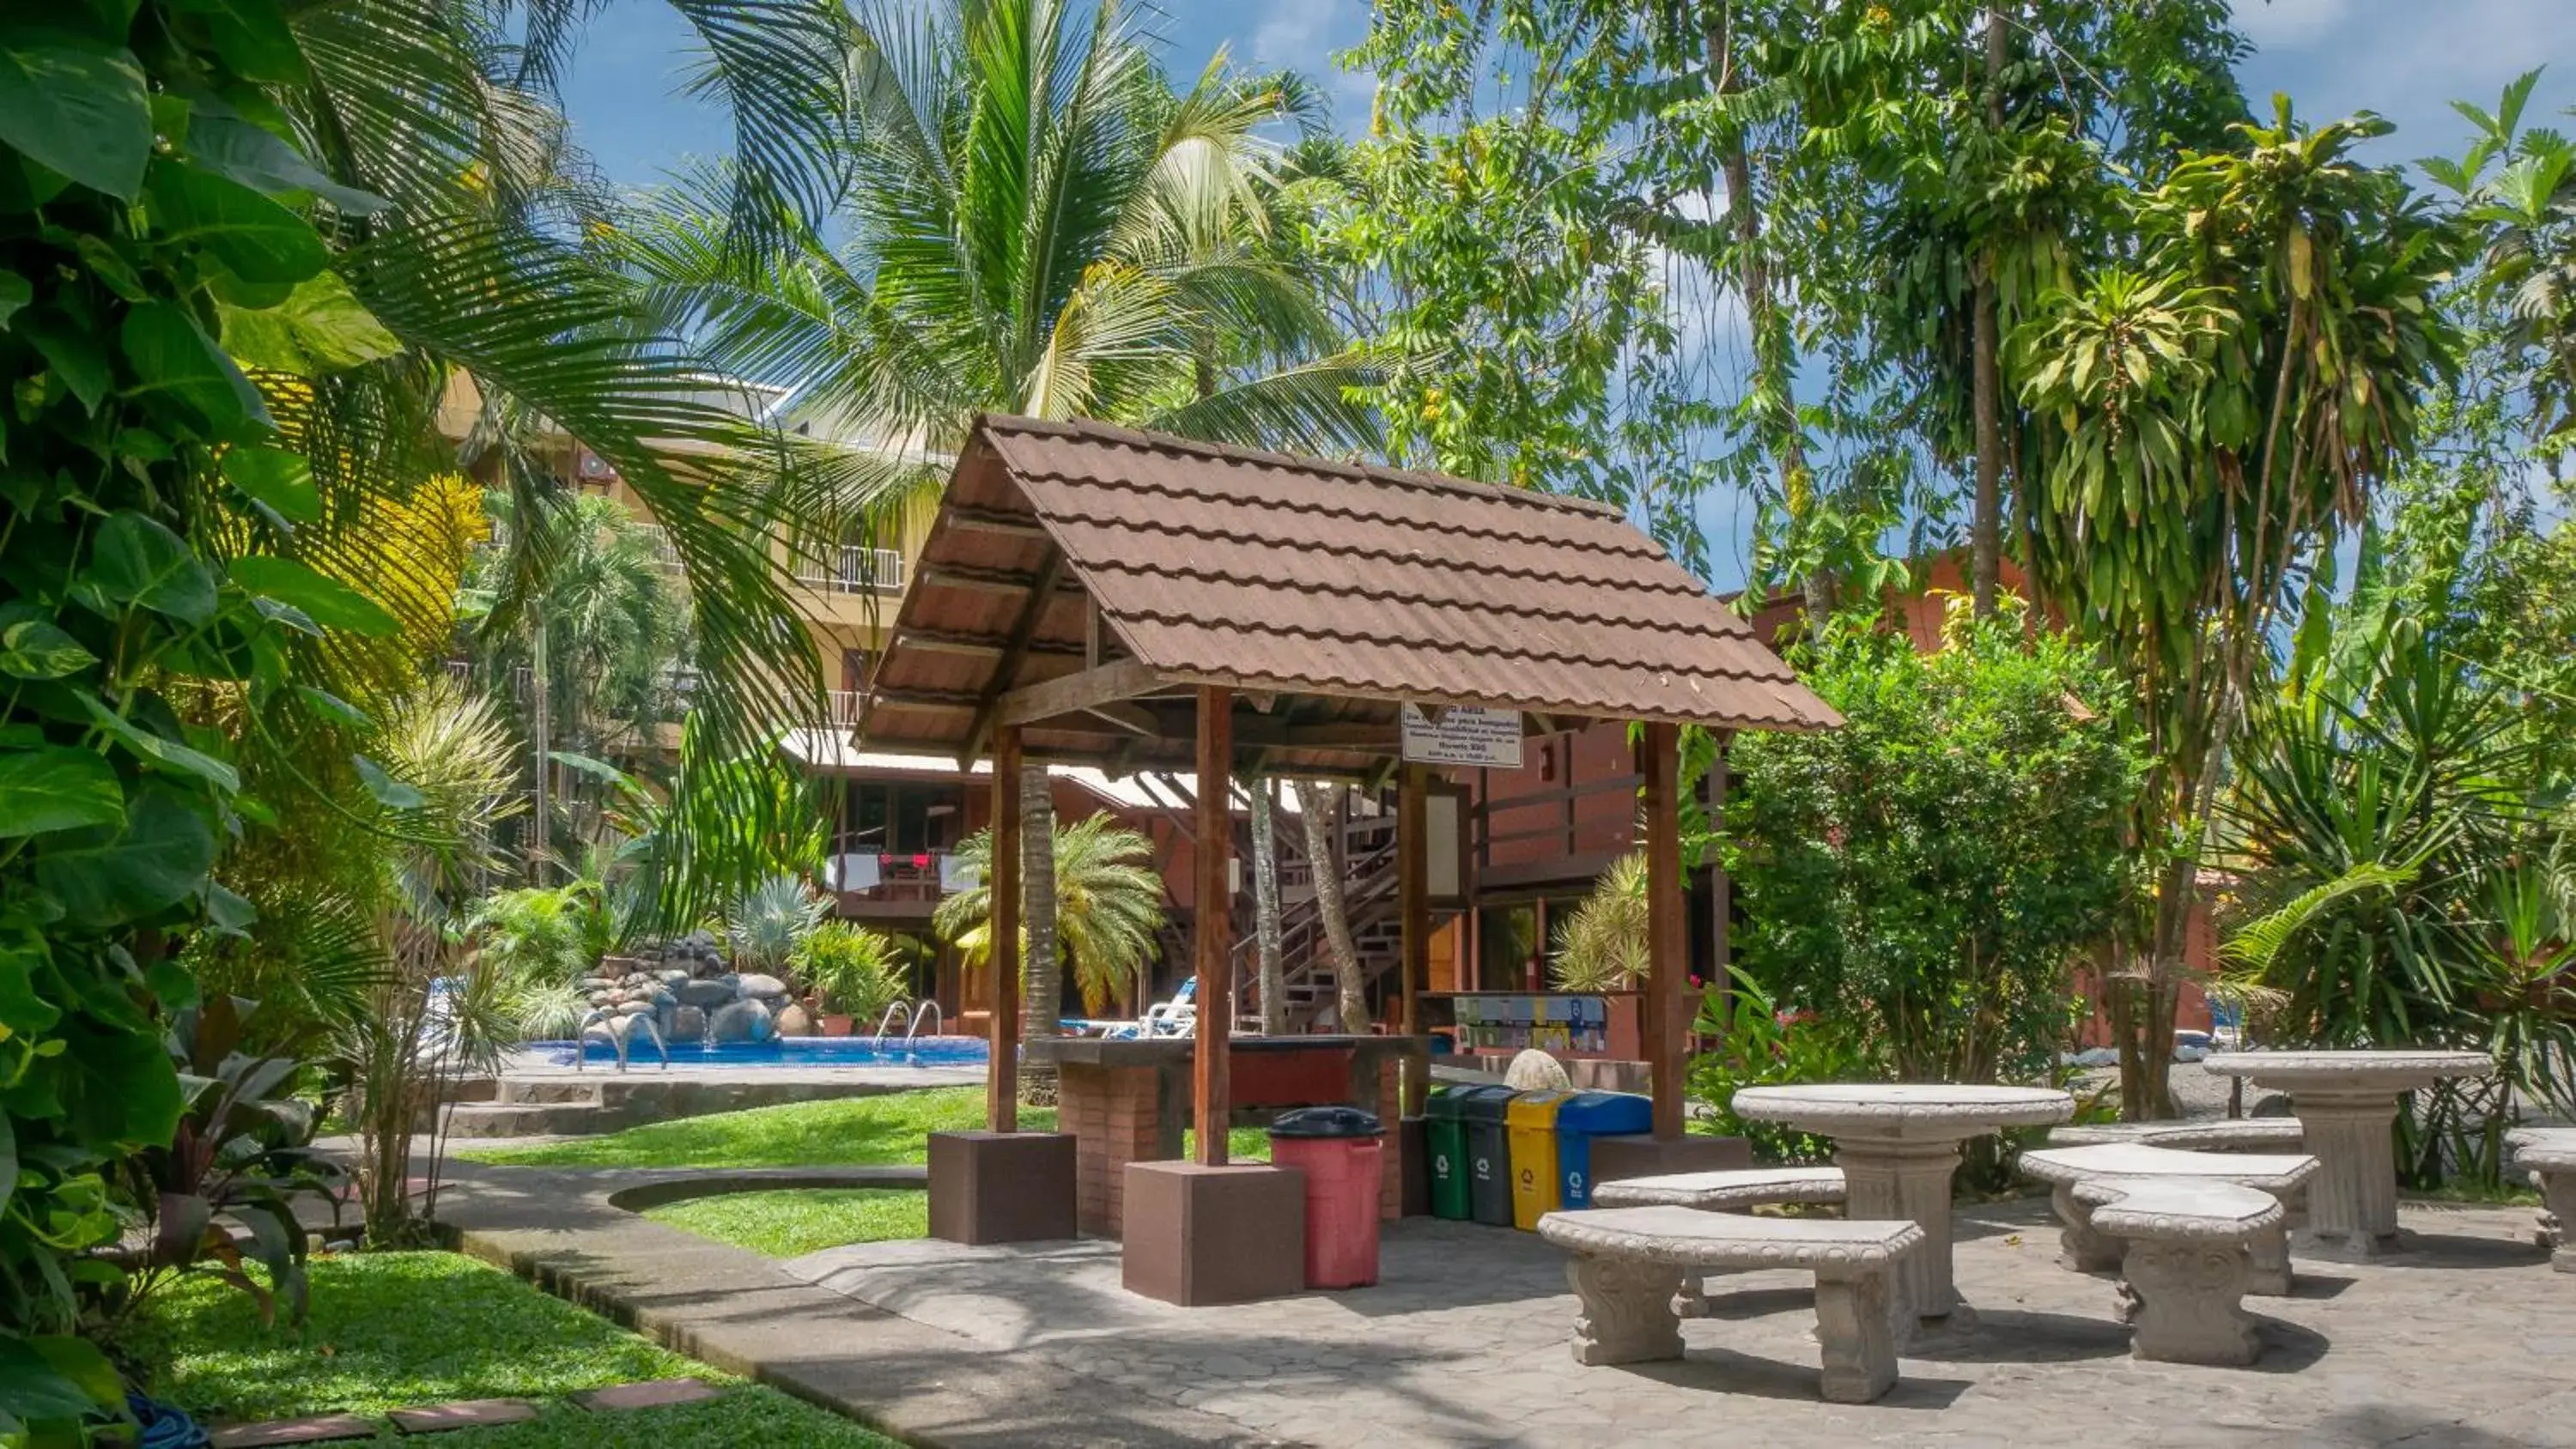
794 1222
407 1330
847 1131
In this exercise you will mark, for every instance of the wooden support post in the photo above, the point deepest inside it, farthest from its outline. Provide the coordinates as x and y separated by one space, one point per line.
1213 946
1002 1079
1667 928
1413 907
1721 889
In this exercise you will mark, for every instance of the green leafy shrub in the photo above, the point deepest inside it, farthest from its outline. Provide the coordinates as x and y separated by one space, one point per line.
857 972
1759 1045
1935 868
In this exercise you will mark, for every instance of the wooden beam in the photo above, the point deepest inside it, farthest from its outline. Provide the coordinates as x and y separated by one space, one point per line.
1128 717
1212 929
986 520
980 645
968 576
1002 1076
1413 908
939 699
1075 693
1667 928
1032 614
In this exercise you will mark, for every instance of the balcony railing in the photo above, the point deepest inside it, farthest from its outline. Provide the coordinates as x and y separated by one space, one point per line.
842 707
920 877
853 570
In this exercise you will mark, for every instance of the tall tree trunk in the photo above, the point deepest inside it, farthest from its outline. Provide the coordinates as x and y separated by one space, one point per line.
1318 806
541 818
1042 972
1774 359
1265 909
1986 528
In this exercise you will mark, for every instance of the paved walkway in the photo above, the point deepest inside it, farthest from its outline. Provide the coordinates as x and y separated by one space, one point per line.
1465 1342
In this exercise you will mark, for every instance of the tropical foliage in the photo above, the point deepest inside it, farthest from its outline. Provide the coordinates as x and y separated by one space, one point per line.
1937 866
1603 945
767 926
1109 906
857 972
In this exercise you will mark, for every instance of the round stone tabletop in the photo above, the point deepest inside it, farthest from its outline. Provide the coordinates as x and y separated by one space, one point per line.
1927 1111
2393 1071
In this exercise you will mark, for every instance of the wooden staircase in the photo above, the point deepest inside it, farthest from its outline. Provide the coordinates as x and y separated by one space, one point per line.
1312 986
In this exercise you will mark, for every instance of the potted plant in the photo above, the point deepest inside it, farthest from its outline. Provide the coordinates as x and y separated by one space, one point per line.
854 973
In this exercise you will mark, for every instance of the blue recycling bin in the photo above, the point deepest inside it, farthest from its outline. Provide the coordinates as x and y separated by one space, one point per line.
1587 1115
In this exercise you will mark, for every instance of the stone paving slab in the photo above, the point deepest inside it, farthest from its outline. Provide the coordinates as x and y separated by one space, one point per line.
316 1429
463 1414
1465 1341
656 1394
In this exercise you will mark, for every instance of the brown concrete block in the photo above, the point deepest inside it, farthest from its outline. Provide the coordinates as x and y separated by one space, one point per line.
1205 1235
1615 1158
318 1429
463 1414
1001 1187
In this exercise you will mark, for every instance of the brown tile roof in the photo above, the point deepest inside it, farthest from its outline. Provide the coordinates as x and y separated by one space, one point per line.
1296 576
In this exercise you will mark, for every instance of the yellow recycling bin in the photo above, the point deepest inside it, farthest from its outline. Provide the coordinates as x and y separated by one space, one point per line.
1537 1187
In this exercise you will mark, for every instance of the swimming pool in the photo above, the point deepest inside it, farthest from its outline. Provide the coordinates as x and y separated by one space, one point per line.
801 1051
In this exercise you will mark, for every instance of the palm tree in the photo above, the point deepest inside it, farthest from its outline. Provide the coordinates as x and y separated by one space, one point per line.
1109 907
2213 415
1036 222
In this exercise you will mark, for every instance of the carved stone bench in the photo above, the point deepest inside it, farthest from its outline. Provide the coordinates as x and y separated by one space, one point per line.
2200 1134
1629 1261
2084 1248
1738 1190
2183 1274
2548 1155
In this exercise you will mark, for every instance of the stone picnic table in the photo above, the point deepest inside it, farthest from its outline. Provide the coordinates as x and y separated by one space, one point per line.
1898 1145
2345 1102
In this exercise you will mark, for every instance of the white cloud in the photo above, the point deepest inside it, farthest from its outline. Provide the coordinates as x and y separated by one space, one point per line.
2407 60
1305 35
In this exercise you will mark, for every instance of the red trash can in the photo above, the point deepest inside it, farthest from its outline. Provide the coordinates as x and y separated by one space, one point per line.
1342 1152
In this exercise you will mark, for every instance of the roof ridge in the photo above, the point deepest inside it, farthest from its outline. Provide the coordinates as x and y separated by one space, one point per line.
1292 462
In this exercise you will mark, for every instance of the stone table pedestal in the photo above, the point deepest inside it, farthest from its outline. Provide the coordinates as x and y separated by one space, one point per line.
2346 1102
1898 1146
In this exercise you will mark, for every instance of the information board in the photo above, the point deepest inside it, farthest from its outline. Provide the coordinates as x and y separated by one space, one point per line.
1466 735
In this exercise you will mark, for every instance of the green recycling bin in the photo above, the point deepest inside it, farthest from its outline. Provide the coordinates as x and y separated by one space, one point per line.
1445 1137
1489 1155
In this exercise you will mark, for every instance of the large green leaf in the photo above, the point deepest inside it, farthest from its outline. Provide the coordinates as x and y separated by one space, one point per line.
76 106
391 793
278 478
15 292
253 237
160 749
159 859
8 1160
57 788
136 560
319 329
253 38
227 143
39 649
326 601
171 354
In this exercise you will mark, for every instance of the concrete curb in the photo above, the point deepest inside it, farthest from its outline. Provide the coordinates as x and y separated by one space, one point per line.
738 1311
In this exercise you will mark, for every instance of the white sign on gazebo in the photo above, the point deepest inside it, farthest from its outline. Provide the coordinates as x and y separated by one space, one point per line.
1463 735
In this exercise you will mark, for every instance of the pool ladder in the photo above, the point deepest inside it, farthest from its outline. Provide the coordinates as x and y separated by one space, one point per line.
895 1013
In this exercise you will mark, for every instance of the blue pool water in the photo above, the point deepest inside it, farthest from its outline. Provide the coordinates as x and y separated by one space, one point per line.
804 1051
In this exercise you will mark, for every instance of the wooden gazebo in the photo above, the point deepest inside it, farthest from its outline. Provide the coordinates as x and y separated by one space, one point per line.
1093 595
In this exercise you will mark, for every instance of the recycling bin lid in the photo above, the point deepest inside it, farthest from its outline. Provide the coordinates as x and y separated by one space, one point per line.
1444 1103
1327 1122
1537 1109
1606 1114
1485 1104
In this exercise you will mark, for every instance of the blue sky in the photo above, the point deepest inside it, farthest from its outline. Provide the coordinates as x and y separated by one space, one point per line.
2406 59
